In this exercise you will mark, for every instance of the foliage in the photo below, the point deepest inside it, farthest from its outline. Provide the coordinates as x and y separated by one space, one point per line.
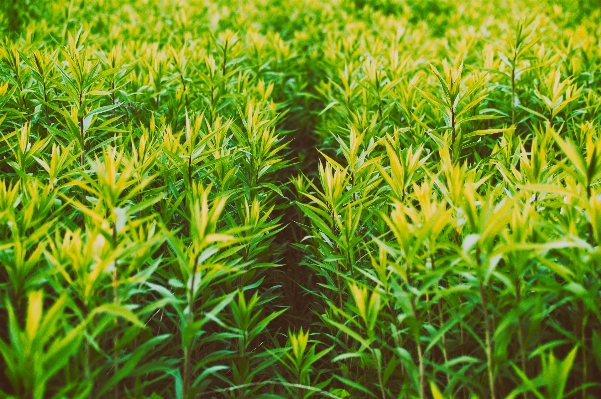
387 199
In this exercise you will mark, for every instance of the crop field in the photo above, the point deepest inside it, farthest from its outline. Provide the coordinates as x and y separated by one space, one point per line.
311 199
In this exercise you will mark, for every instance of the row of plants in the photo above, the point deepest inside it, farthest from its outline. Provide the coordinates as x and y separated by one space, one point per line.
387 199
139 215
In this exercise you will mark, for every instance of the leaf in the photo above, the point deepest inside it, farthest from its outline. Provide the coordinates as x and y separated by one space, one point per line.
330 105
355 385
469 242
218 308
490 131
560 270
574 155
533 112
435 392
61 351
340 392
118 311
34 314
129 367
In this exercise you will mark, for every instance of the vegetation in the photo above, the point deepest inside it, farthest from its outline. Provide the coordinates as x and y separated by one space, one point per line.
337 199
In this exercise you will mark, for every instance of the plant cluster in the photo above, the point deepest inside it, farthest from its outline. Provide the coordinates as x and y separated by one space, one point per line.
387 199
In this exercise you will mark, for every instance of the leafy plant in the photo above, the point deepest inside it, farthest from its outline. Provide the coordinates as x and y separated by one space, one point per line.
389 199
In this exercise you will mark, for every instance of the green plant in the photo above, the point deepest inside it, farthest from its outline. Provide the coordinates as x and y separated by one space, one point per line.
390 199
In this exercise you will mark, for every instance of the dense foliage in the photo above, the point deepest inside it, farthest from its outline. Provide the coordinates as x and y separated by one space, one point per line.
265 199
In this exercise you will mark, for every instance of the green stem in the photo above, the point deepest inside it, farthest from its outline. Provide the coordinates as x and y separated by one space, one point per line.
453 135
489 343
82 140
190 318
584 318
441 320
380 379
116 302
420 356
518 299
591 238
513 89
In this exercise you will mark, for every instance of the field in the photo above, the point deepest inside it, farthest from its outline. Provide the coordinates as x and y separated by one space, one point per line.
327 199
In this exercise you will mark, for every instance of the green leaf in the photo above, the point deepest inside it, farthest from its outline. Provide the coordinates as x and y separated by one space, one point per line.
356 386
436 394
118 311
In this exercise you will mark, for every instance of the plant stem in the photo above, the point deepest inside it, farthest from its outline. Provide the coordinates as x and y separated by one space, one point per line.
185 90
441 319
513 69
453 135
336 251
82 140
211 116
489 343
190 318
46 105
591 238
420 356
378 362
86 348
518 298
116 302
584 318
190 165
224 66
